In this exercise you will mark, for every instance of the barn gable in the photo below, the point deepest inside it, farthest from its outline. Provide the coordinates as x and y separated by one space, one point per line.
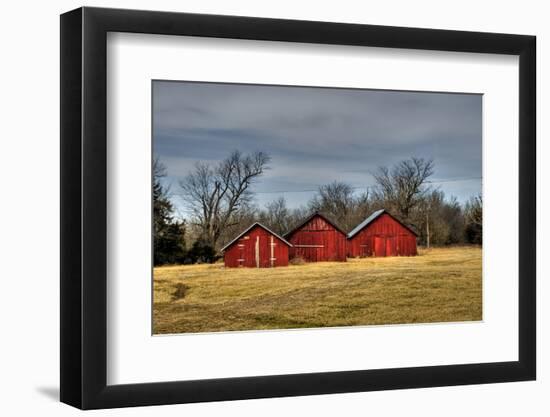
381 234
322 223
372 218
257 247
250 228
317 239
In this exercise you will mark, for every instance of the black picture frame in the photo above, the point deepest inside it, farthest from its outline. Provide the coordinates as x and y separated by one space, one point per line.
84 207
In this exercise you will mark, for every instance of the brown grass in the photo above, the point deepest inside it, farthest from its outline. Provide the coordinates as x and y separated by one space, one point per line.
439 285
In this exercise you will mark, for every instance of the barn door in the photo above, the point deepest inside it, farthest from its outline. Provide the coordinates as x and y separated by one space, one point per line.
390 246
379 246
241 254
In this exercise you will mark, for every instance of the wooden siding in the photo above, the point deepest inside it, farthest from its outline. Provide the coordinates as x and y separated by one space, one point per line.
257 249
385 236
317 240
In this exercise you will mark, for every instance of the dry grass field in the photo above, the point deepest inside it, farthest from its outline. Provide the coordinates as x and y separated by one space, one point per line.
439 285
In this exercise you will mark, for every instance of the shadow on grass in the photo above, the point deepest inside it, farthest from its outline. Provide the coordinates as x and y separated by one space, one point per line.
181 290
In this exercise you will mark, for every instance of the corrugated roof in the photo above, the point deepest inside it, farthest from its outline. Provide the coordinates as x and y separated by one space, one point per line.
250 228
365 223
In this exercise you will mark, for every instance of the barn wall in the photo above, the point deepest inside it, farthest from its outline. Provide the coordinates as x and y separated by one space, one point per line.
245 249
383 237
320 241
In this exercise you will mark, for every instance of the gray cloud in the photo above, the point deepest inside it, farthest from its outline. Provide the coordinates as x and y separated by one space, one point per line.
317 135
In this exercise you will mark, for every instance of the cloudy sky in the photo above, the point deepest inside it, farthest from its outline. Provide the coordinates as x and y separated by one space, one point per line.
317 135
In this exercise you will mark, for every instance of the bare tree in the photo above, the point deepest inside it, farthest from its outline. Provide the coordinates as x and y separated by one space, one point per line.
403 186
276 216
217 193
339 201
334 200
438 219
297 216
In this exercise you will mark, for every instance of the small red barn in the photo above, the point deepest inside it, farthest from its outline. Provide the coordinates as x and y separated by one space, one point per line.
256 247
317 239
381 234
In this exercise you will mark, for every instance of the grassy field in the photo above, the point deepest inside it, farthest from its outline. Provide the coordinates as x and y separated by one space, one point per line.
439 285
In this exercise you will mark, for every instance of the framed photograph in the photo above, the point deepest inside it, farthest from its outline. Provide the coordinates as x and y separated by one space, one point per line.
257 208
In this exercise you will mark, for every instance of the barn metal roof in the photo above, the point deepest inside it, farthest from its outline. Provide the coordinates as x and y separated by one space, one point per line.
302 224
250 228
373 217
365 223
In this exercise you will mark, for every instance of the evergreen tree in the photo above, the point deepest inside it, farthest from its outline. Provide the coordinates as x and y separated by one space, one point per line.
473 213
168 233
201 252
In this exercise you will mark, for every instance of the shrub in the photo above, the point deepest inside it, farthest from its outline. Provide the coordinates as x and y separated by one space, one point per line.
201 252
298 260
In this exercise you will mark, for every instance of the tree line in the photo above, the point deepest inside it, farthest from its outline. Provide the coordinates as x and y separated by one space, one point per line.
220 203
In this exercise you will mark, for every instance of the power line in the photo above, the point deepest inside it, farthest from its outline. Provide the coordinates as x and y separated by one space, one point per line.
287 191
311 190
368 186
190 211
454 180
185 210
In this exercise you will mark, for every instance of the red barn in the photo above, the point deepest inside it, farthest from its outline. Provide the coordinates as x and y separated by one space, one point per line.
317 239
256 247
381 234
